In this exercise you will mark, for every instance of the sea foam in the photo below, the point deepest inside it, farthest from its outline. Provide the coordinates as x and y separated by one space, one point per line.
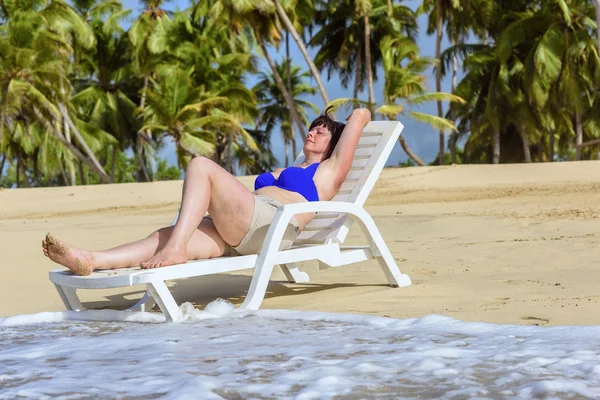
223 352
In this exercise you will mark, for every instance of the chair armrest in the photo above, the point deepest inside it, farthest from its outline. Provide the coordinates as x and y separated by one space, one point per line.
320 206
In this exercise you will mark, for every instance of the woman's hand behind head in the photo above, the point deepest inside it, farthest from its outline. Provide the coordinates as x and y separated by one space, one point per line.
362 113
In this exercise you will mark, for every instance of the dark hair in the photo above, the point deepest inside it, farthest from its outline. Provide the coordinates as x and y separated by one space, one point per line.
334 127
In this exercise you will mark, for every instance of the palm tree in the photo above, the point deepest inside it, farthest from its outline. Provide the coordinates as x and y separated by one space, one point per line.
219 60
34 63
249 19
104 80
272 107
405 82
147 55
484 87
188 114
560 55
598 23
341 40
254 162
437 10
313 69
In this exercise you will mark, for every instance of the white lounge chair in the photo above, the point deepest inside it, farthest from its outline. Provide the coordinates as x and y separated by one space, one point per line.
320 240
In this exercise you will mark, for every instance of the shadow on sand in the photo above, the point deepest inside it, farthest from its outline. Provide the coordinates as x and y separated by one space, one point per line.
202 290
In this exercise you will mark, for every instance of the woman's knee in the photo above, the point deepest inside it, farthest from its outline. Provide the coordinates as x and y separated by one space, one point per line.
200 164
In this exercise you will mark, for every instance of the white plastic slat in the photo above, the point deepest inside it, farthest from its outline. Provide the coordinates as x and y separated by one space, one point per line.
316 224
371 131
359 163
340 197
364 152
310 238
368 140
327 215
348 186
354 175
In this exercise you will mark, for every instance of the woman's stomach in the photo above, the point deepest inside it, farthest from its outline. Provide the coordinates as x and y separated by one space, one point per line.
287 197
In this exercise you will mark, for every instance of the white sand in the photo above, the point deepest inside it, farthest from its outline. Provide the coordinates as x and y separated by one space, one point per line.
503 244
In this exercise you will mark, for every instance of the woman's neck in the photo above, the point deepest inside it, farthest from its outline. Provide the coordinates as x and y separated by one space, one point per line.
309 160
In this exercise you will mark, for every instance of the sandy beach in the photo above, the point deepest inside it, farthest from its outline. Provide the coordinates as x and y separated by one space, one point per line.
507 244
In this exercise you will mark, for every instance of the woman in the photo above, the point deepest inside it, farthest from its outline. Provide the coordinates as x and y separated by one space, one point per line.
239 219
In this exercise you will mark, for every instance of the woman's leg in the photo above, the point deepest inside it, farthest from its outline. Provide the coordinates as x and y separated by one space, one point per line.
207 187
204 243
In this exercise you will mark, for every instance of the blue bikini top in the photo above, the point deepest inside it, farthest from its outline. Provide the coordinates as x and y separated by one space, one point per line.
294 179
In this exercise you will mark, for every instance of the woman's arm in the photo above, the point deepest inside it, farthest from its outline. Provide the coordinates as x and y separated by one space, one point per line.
343 154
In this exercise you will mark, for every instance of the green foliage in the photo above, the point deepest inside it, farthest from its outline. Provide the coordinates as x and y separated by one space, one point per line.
406 164
84 100
448 158
165 172
272 107
537 74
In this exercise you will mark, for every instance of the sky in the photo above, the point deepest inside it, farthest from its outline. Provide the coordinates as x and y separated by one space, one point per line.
420 137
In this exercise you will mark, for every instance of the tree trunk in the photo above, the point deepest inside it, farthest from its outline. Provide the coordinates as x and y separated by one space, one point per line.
82 174
78 154
2 164
96 165
2 119
18 167
525 141
454 135
113 163
229 153
578 135
281 86
139 156
496 146
24 169
540 148
63 174
25 179
551 146
287 151
409 152
358 68
438 74
598 22
139 149
369 67
289 88
69 162
313 68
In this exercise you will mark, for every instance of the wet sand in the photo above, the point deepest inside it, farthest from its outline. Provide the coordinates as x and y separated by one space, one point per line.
516 244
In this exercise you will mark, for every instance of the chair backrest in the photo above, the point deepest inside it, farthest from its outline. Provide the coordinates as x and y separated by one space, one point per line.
373 149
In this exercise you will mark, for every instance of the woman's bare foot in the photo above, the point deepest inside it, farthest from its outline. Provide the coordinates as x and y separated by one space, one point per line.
167 256
77 260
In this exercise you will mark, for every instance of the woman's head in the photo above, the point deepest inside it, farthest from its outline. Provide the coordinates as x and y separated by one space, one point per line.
323 135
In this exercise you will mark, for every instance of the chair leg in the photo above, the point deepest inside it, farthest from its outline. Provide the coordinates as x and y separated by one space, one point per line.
258 286
160 292
293 274
69 297
398 280
382 253
146 303
265 262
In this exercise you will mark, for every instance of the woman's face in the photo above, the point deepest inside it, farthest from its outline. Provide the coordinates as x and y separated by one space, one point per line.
317 140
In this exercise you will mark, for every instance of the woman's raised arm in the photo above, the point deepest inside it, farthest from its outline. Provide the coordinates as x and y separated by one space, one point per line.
341 158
